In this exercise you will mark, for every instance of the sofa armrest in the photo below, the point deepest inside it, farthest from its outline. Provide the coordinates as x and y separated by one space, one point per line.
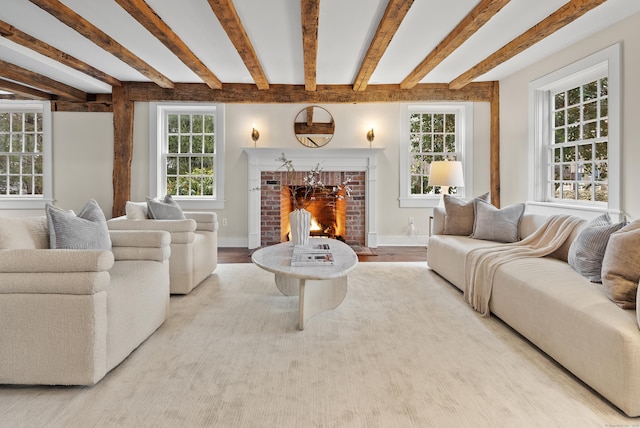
140 244
437 227
40 271
206 221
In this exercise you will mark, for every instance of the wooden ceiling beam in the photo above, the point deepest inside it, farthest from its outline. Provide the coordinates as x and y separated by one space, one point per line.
30 78
24 91
563 16
310 18
248 93
480 15
70 18
230 21
393 16
150 20
11 33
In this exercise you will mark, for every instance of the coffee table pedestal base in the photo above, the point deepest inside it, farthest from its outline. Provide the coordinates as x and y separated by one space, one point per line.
315 295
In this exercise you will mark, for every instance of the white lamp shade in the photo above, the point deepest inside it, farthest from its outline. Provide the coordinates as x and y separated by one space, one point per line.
446 173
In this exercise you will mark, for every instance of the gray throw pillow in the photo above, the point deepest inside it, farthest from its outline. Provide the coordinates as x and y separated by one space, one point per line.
587 250
493 224
167 209
86 231
459 216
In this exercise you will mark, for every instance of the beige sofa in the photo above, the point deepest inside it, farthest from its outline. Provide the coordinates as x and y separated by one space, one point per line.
194 246
568 317
67 317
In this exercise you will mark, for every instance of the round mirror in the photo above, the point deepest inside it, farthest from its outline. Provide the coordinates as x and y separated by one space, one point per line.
314 127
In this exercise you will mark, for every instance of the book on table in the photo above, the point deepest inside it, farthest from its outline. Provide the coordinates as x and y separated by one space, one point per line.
312 248
312 255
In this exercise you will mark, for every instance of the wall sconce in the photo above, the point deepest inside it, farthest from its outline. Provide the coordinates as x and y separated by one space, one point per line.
254 136
370 136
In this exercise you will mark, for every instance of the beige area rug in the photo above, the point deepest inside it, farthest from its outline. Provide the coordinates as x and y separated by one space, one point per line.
402 350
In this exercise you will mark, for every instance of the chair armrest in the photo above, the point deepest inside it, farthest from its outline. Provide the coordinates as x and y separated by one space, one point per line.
206 221
52 261
43 271
140 244
122 223
438 221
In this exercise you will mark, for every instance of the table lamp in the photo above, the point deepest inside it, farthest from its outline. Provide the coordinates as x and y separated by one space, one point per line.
446 174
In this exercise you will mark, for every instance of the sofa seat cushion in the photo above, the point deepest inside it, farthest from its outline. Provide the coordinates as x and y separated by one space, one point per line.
574 322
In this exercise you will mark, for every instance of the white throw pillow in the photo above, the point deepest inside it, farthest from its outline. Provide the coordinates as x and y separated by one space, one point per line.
136 210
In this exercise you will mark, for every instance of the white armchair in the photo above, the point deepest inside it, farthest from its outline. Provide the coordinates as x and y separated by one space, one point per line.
194 246
68 317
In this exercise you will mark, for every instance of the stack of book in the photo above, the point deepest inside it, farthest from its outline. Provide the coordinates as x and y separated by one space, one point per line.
312 255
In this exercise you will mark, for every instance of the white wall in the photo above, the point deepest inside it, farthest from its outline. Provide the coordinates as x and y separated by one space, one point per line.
83 160
514 112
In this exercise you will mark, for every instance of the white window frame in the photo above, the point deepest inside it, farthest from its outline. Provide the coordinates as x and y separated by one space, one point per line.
34 202
541 127
158 113
464 129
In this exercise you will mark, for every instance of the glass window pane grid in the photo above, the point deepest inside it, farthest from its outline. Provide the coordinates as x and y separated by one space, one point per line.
577 141
190 154
432 137
21 172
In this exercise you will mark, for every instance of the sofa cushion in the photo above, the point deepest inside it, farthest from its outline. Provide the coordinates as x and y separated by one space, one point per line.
167 209
86 231
493 224
459 215
136 210
24 233
588 249
621 266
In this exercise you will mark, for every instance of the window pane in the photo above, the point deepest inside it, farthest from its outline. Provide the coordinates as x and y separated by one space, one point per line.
590 130
438 143
569 154
559 100
209 122
172 166
438 123
590 111
573 115
450 140
584 192
185 144
604 87
557 155
604 128
601 151
426 123
427 143
197 144
4 122
585 152
198 123
573 96
4 143
604 107
559 118
414 143
209 146
172 120
450 123
173 144
29 143
573 133
185 123
559 136
414 123
590 91
16 122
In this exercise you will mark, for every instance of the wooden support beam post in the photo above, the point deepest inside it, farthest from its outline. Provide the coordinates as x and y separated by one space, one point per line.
122 148
494 145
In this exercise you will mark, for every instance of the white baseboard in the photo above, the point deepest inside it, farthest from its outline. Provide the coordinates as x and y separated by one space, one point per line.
395 241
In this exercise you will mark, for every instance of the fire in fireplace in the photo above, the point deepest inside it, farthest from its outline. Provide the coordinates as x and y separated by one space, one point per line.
328 212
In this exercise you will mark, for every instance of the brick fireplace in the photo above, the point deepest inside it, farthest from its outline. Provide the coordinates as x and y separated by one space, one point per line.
269 202
331 216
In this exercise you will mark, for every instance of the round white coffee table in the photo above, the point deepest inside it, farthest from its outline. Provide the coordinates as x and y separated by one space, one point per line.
320 288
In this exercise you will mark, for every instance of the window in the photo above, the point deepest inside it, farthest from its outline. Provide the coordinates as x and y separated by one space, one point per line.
575 136
577 151
433 132
187 153
25 154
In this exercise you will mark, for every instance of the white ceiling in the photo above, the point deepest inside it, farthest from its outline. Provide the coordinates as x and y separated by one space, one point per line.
346 28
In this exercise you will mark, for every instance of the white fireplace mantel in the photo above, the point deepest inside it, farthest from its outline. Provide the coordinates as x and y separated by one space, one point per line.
266 159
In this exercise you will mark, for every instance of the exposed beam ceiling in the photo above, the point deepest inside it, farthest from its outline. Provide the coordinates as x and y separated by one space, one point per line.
100 38
393 15
156 26
554 22
230 21
310 17
471 23
76 50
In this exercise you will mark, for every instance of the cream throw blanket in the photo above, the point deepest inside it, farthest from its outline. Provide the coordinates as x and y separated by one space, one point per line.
481 263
